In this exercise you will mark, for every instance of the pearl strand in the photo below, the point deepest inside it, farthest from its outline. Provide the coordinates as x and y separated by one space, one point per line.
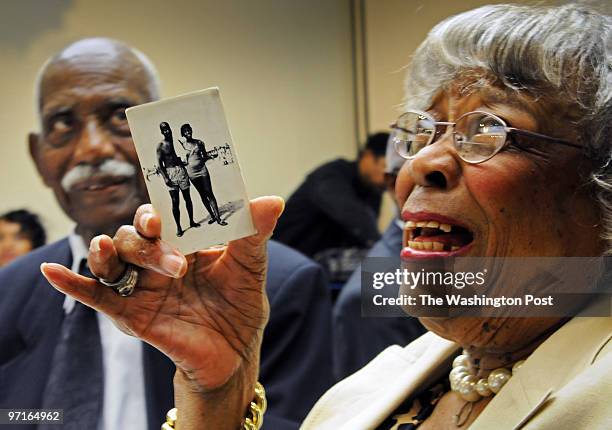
470 388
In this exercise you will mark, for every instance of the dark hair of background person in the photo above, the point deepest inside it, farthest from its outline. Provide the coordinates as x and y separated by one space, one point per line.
377 144
30 225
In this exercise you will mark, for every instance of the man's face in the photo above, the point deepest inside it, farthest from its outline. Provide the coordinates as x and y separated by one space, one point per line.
372 169
13 242
187 133
85 152
166 131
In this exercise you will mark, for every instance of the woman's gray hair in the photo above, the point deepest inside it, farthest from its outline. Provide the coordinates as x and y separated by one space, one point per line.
561 53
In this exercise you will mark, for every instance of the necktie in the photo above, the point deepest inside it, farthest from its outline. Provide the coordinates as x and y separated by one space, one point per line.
76 380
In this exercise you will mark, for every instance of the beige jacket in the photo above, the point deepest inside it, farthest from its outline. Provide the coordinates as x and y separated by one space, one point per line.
566 384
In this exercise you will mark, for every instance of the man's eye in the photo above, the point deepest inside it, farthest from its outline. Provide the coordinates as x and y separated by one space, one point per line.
118 121
119 115
60 125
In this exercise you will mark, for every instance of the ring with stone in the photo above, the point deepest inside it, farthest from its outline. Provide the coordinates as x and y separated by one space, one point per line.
126 284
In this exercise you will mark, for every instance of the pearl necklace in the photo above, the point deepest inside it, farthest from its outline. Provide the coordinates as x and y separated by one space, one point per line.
463 379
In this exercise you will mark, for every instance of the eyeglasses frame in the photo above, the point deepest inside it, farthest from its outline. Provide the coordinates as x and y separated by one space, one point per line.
510 132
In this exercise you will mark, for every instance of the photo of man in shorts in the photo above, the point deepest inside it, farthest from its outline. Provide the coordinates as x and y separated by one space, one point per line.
175 176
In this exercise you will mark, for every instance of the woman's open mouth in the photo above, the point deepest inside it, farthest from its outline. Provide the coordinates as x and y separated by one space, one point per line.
435 237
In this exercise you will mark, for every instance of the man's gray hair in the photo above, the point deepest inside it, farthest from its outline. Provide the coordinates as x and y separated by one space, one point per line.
562 53
153 81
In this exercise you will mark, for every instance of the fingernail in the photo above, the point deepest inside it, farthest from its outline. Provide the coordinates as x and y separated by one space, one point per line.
172 264
144 221
42 266
282 204
95 244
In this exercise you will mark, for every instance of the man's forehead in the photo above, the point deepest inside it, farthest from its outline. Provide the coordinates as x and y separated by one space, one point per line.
71 81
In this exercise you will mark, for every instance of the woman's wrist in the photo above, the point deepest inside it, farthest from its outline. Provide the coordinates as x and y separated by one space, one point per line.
221 408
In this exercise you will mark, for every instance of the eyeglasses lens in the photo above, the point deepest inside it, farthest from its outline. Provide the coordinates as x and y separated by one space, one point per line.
478 137
413 133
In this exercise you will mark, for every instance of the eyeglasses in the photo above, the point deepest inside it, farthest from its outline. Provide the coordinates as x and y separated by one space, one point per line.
477 136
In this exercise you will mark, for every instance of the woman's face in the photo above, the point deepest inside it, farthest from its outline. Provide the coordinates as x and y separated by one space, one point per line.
518 203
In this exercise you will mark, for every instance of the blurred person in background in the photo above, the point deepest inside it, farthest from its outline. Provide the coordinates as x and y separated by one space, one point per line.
20 232
358 339
333 215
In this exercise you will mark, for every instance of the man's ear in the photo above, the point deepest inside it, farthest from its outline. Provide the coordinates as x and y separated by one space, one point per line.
34 147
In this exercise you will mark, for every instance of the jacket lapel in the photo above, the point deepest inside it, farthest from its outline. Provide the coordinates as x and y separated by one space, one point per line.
38 324
559 359
45 304
429 365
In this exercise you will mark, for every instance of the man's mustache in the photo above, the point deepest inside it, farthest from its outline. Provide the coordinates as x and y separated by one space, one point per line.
109 167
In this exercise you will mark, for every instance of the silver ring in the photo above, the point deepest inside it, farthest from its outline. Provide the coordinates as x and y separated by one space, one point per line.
126 284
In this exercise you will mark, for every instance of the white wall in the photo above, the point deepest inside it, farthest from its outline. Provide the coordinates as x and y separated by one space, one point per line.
283 66
394 29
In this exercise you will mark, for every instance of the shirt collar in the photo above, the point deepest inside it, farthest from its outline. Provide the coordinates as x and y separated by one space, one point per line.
79 253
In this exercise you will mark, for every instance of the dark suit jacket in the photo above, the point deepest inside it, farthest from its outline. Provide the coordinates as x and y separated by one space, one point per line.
296 352
357 339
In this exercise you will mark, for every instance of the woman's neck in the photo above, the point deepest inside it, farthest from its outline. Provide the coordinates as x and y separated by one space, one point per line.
485 359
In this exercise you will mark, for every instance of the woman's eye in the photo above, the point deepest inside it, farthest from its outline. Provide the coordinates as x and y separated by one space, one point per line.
487 125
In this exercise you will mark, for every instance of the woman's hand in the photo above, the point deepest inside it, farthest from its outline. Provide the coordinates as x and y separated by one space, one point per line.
205 311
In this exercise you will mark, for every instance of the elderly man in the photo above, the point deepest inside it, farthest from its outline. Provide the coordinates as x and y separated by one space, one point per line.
57 353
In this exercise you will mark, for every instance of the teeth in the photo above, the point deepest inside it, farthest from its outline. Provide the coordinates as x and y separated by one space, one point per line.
426 246
429 224
454 248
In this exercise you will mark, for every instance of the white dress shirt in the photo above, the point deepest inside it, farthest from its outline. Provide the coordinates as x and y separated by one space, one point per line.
124 404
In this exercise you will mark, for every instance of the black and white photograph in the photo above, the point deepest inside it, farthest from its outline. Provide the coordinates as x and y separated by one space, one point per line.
191 170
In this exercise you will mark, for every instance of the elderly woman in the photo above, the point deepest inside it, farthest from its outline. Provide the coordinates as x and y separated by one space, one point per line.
507 131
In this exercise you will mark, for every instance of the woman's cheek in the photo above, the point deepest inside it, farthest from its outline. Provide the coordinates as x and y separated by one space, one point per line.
505 186
520 203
